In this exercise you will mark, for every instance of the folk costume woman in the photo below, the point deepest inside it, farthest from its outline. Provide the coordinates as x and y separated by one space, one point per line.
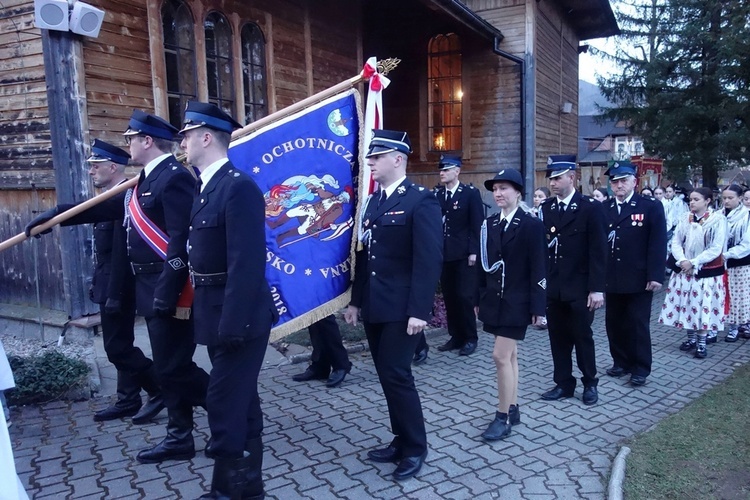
512 289
695 295
737 257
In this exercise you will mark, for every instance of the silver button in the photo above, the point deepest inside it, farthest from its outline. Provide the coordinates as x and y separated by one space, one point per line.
373 273
190 228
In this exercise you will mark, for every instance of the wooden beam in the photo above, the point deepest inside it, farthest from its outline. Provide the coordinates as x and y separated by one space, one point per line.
63 67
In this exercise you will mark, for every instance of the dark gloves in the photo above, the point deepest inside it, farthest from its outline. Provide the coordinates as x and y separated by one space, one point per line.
231 342
113 306
39 220
163 309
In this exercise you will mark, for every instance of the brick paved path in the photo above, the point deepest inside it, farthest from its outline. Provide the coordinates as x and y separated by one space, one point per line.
316 439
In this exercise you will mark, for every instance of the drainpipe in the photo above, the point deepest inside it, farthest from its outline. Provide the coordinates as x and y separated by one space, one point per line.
527 173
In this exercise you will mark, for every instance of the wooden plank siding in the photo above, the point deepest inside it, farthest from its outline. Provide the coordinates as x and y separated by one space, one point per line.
24 120
556 54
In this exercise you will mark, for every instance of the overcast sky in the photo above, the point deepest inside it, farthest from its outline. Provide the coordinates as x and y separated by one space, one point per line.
590 66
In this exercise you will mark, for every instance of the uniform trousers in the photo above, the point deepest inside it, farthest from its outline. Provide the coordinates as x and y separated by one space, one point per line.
233 404
458 282
627 320
182 382
132 365
569 326
392 352
328 350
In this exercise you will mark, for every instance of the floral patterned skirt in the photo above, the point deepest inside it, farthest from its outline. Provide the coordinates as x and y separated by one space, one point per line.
694 304
739 295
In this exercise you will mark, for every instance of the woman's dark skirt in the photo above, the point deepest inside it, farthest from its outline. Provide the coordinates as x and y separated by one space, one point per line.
509 332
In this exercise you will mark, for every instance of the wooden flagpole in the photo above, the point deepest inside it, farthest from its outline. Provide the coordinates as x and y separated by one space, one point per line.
384 67
70 213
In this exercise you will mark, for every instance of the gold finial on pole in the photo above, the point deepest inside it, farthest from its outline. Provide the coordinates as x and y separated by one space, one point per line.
387 65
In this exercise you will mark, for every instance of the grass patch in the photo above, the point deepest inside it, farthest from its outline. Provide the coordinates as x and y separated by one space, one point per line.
702 452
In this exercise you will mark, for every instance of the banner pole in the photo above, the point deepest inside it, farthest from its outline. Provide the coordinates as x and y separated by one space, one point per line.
70 213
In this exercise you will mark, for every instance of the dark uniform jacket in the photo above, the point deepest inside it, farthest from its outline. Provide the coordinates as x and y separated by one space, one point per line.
227 240
577 245
637 237
165 196
397 272
462 219
512 300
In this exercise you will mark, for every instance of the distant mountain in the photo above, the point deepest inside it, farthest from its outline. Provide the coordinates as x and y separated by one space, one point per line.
589 96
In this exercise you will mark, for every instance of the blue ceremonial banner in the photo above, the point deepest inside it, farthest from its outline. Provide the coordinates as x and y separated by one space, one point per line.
307 167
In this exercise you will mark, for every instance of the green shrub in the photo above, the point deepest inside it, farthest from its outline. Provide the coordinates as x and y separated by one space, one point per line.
44 378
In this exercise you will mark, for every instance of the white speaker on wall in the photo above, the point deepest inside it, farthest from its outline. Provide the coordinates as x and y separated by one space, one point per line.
51 14
86 19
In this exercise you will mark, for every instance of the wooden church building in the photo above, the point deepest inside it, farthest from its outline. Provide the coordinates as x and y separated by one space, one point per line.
493 80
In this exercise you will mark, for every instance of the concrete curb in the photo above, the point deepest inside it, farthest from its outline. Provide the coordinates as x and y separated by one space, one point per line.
614 492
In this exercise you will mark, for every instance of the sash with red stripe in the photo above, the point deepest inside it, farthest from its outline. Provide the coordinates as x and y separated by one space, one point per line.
158 240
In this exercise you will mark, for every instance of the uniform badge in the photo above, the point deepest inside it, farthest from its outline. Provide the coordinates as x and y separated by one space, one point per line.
401 190
455 205
640 224
552 229
176 263
367 222
543 284
637 219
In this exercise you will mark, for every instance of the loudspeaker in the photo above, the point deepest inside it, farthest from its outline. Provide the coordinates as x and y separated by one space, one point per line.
51 14
86 20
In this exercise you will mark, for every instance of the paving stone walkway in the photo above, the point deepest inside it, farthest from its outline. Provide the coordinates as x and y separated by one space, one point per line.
316 439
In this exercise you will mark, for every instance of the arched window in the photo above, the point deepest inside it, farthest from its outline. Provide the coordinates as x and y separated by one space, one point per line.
254 72
219 62
444 93
179 55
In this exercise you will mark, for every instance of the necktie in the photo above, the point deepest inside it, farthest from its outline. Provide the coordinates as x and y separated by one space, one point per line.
619 207
142 177
198 186
382 198
448 198
561 206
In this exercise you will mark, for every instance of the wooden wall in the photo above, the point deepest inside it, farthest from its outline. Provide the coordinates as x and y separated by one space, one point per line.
24 124
556 54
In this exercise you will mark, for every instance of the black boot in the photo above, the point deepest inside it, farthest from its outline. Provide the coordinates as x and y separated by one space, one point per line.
498 429
128 399
178 445
155 403
253 487
225 481
514 415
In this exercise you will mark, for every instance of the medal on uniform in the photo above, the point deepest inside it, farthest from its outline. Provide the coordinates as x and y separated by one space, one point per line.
640 224
552 229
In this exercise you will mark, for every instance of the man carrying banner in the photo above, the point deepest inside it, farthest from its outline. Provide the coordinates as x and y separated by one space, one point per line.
113 288
157 215
233 306
394 285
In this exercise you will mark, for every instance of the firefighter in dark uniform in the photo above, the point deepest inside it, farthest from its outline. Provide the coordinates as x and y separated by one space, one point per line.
233 306
157 231
575 279
396 275
462 218
637 236
329 360
113 288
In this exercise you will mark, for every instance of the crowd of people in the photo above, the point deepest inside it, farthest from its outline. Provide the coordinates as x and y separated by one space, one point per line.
175 237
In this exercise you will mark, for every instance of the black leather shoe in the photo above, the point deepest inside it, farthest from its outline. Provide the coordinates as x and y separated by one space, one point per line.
150 410
451 345
637 380
468 348
384 455
337 376
308 375
498 428
616 371
114 412
408 467
590 395
208 451
557 393
167 450
421 356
